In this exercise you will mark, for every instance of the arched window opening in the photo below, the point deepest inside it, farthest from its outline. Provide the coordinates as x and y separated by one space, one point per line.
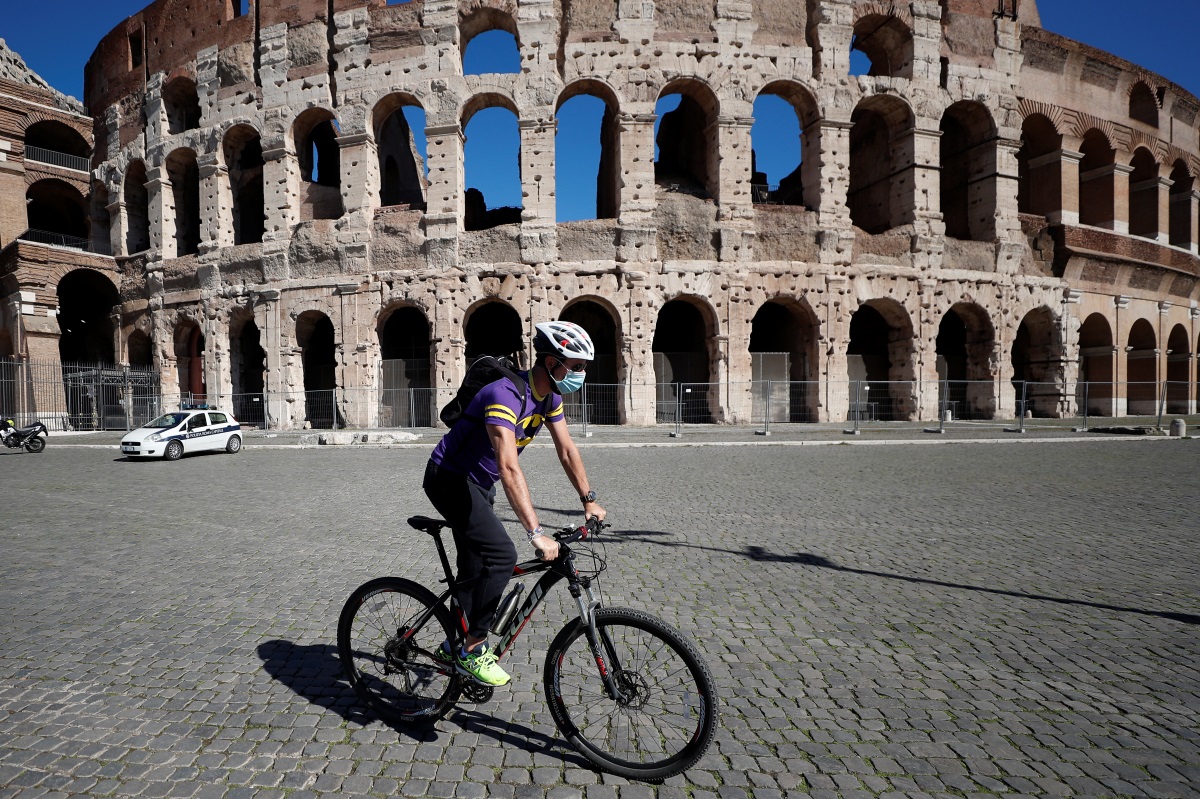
783 360
968 172
48 140
189 362
682 368
247 367
1181 222
492 51
1039 167
887 44
314 334
879 362
85 306
57 214
1096 366
244 160
494 328
685 157
880 194
400 138
1141 369
137 209
139 349
1096 180
184 175
1143 106
404 372
964 347
1037 365
600 397
781 112
320 159
492 168
1179 359
182 105
1143 195
587 174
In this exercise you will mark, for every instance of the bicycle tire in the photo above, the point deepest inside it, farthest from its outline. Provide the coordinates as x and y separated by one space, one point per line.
399 680
666 676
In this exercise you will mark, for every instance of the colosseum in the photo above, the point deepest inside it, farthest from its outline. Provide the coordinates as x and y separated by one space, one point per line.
990 218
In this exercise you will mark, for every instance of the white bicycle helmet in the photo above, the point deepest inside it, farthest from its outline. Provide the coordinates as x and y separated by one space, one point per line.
564 340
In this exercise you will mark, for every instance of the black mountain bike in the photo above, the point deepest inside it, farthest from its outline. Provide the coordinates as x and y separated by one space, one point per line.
629 691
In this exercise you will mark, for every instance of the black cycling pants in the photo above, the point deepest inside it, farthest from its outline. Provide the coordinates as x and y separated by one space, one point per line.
486 554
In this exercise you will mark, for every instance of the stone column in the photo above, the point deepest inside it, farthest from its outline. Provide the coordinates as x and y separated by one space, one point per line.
281 191
925 201
266 316
1121 362
359 178
735 209
835 376
118 227
1163 189
1120 183
637 235
539 240
1056 190
635 20
161 207
640 404
825 172
1004 196
216 205
444 214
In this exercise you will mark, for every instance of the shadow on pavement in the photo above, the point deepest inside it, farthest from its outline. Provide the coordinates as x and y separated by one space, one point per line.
763 555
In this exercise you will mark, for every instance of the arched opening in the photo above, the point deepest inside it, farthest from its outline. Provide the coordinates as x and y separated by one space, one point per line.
968 175
1096 366
887 43
492 164
965 345
600 396
140 349
1181 222
189 362
1141 369
184 175
783 356
318 354
244 160
57 214
1143 106
315 133
494 328
879 363
400 139
587 144
682 356
137 209
45 139
1096 180
182 105
490 44
85 306
1143 195
1037 364
405 398
247 368
782 111
685 144
1039 167
880 194
1179 360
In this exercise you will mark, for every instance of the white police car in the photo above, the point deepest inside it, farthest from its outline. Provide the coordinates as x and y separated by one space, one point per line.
172 434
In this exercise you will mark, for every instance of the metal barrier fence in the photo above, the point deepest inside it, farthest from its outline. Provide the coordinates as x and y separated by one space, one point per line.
78 396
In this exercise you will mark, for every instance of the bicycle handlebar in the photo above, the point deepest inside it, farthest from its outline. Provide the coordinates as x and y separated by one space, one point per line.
570 534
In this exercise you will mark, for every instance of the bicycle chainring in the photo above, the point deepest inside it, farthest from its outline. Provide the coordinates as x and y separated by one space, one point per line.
476 693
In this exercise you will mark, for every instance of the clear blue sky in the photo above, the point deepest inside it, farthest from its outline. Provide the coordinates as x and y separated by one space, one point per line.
56 37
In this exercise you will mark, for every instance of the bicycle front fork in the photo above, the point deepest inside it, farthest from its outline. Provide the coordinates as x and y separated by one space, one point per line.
601 644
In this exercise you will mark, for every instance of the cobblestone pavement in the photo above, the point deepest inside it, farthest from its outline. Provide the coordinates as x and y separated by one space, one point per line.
967 620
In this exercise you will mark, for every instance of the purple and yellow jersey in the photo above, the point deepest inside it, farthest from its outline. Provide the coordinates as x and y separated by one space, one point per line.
466 448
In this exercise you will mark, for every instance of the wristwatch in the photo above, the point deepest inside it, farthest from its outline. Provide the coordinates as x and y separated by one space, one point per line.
588 497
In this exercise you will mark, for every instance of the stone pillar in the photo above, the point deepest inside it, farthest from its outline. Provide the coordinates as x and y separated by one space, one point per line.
152 107
118 227
635 20
640 404
927 41
281 191
1183 208
835 371
1120 183
825 171
735 208
216 205
161 207
1194 225
1163 189
539 240
637 234
734 24
444 214
1004 193
266 316
359 178
1121 362
924 202
831 23
1056 190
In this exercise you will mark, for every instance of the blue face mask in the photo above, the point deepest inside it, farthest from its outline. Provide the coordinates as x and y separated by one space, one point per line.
572 382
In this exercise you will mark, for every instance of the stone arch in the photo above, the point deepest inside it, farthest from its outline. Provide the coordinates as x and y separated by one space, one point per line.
1141 368
181 104
318 154
880 359
405 373
567 144
242 151
968 171
402 170
881 189
86 299
317 339
1179 360
184 174
1096 372
1096 185
493 327
247 367
56 213
965 349
885 38
480 20
601 394
137 208
1039 167
686 137
1143 104
784 338
685 354
496 129
1181 219
801 187
189 350
1143 194
1037 363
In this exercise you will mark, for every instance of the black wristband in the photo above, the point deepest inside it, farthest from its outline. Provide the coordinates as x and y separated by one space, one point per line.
588 497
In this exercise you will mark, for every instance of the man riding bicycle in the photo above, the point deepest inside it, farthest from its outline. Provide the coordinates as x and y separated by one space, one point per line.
482 448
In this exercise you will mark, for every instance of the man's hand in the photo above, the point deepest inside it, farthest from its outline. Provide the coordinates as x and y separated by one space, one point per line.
547 545
593 510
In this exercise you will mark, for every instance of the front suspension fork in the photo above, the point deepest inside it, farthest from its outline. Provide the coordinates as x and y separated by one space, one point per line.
601 645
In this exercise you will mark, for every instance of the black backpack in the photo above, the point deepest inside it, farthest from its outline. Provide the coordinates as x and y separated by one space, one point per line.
485 370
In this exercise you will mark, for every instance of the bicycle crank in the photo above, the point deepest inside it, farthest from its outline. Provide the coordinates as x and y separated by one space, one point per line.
476 693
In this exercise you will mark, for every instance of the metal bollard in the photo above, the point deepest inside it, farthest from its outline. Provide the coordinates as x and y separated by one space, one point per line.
1178 428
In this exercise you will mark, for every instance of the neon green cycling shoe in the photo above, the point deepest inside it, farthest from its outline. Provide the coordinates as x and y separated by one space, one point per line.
482 666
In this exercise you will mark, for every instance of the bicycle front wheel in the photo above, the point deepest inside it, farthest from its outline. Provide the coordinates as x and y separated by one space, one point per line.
388 658
666 714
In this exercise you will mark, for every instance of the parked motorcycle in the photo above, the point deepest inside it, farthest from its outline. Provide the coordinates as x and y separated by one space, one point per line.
32 438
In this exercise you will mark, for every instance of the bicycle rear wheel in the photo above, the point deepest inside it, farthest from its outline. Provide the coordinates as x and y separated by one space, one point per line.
667 714
388 662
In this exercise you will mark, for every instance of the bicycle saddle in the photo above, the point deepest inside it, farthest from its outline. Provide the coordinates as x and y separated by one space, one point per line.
427 525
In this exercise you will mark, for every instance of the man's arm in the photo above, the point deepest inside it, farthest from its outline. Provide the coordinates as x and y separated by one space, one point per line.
504 442
572 463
